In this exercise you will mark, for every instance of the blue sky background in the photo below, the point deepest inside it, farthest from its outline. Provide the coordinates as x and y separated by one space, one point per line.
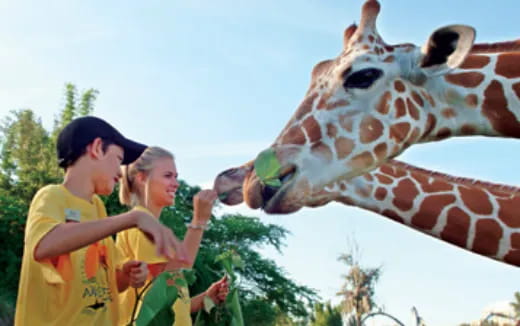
216 81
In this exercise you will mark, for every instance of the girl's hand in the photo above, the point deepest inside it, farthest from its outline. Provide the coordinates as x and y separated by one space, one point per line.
218 291
137 272
202 205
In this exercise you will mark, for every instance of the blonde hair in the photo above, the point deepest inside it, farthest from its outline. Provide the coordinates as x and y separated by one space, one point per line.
129 194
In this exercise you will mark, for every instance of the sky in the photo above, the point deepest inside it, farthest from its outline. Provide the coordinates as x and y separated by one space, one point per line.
216 81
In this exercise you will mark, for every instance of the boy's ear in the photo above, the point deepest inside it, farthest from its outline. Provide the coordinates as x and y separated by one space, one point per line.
95 148
140 177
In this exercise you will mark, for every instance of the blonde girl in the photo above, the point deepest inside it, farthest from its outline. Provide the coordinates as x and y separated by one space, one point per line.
149 184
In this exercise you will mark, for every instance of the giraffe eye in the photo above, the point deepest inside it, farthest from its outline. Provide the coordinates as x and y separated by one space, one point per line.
363 78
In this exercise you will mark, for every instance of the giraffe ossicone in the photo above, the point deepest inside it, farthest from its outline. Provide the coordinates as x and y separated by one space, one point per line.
371 103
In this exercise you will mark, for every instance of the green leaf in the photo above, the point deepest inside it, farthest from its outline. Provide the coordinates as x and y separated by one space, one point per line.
267 167
208 304
189 275
181 282
233 304
237 261
159 297
273 183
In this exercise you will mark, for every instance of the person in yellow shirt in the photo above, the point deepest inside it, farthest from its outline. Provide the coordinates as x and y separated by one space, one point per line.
70 273
148 185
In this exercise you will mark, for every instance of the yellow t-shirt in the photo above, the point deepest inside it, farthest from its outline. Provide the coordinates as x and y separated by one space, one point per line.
134 245
78 288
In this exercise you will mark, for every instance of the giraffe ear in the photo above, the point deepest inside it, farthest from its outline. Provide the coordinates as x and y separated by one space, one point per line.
446 49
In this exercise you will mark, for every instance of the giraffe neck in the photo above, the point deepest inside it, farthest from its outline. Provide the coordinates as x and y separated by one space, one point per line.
481 97
478 216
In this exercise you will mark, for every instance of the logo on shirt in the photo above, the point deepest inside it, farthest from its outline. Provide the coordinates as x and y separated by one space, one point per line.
72 215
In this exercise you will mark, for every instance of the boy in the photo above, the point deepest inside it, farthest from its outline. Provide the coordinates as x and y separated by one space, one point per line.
69 276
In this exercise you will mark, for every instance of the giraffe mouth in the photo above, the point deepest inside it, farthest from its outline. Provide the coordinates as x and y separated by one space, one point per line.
273 197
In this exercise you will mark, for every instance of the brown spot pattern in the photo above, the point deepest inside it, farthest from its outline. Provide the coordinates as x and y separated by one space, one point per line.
430 209
381 152
471 100
430 187
507 65
332 131
516 88
465 79
412 109
389 59
430 124
399 86
344 146
418 99
371 129
393 215
389 170
513 257
508 211
448 113
476 200
399 131
294 136
337 104
495 110
475 62
322 150
400 108
487 237
384 179
405 193
363 160
468 130
515 240
457 227
383 106
380 193
345 121
313 129
305 107
443 133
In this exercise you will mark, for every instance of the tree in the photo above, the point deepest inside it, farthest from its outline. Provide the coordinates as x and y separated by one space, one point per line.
28 162
326 315
516 305
359 287
267 294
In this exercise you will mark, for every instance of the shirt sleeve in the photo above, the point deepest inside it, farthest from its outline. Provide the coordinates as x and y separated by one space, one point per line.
145 249
46 212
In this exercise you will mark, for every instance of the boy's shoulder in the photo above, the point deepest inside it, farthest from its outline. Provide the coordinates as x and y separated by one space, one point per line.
52 190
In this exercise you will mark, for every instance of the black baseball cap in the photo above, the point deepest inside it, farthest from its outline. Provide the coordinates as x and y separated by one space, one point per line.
74 138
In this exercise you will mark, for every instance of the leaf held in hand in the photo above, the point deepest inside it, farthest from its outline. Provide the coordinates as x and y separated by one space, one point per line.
208 304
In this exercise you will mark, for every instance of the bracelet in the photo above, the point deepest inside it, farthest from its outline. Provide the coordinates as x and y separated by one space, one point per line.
197 226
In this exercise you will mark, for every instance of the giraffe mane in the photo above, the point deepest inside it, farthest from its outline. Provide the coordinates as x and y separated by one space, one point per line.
511 190
508 46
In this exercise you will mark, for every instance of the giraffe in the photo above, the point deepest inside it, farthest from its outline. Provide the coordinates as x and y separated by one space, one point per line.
475 215
374 101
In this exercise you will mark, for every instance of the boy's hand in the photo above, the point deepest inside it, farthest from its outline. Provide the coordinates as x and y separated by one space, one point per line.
137 273
163 238
218 291
202 205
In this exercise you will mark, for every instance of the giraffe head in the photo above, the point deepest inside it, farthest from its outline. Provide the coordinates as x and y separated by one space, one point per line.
361 109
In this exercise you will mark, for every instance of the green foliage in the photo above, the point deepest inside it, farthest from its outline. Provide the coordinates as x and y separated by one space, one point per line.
516 304
27 163
326 315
